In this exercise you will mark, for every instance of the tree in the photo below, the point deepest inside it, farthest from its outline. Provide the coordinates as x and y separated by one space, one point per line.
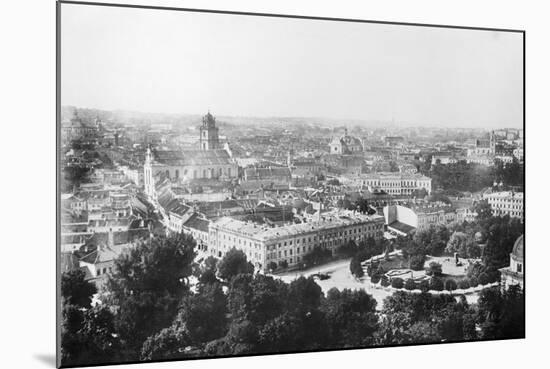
501 314
272 266
416 262
436 284
234 263
450 285
356 268
204 314
88 336
410 284
316 256
351 318
463 244
148 282
169 343
347 249
75 290
483 210
397 282
424 286
434 269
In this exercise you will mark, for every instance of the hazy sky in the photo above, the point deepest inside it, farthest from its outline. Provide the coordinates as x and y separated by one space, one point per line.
180 62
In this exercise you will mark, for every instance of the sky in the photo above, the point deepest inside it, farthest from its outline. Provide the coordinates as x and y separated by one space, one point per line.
174 62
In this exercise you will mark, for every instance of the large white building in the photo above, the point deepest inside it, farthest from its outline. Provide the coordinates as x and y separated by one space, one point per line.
506 203
286 245
404 220
392 182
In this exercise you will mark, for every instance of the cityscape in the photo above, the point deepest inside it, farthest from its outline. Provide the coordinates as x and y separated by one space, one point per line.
227 230
352 218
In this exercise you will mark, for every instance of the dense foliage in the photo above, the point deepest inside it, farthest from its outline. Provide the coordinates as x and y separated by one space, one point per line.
149 311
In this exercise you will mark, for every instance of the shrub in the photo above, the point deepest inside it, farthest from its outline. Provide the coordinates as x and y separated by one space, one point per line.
410 284
450 285
416 262
384 281
473 282
397 282
484 278
375 279
464 284
283 264
356 268
424 286
434 269
436 284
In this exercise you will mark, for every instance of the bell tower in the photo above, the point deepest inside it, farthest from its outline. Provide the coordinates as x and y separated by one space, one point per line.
209 139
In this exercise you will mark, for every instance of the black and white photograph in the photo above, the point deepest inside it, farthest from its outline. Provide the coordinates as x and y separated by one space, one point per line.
240 184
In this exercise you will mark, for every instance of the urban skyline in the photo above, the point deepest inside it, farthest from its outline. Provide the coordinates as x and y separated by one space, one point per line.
196 62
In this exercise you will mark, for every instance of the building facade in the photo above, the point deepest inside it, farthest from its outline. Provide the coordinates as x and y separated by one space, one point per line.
513 274
506 203
286 245
391 182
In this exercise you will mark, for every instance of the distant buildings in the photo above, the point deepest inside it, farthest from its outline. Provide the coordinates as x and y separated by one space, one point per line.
506 203
513 274
345 145
76 128
208 163
392 182
405 220
484 146
394 141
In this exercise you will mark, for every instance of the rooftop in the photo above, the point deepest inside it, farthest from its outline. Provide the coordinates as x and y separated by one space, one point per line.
263 233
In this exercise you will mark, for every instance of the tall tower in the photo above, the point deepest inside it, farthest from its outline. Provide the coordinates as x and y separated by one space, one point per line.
148 179
209 139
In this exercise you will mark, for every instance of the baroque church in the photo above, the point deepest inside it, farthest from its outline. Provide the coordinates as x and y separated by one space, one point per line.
208 162
345 145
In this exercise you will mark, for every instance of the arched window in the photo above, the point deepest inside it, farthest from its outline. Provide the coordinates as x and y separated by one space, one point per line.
229 172
167 173
177 173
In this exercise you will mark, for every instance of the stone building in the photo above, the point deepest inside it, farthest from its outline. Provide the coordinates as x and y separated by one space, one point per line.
506 203
345 145
513 274
286 245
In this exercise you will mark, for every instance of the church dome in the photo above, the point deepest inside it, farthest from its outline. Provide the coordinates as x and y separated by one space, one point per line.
517 251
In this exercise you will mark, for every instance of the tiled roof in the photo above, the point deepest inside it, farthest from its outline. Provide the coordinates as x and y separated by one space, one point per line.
402 227
104 254
193 157
195 222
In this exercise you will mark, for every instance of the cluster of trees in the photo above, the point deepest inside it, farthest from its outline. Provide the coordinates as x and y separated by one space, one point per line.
511 174
461 176
431 241
364 251
149 312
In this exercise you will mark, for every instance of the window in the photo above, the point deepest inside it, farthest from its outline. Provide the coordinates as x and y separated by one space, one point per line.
519 268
